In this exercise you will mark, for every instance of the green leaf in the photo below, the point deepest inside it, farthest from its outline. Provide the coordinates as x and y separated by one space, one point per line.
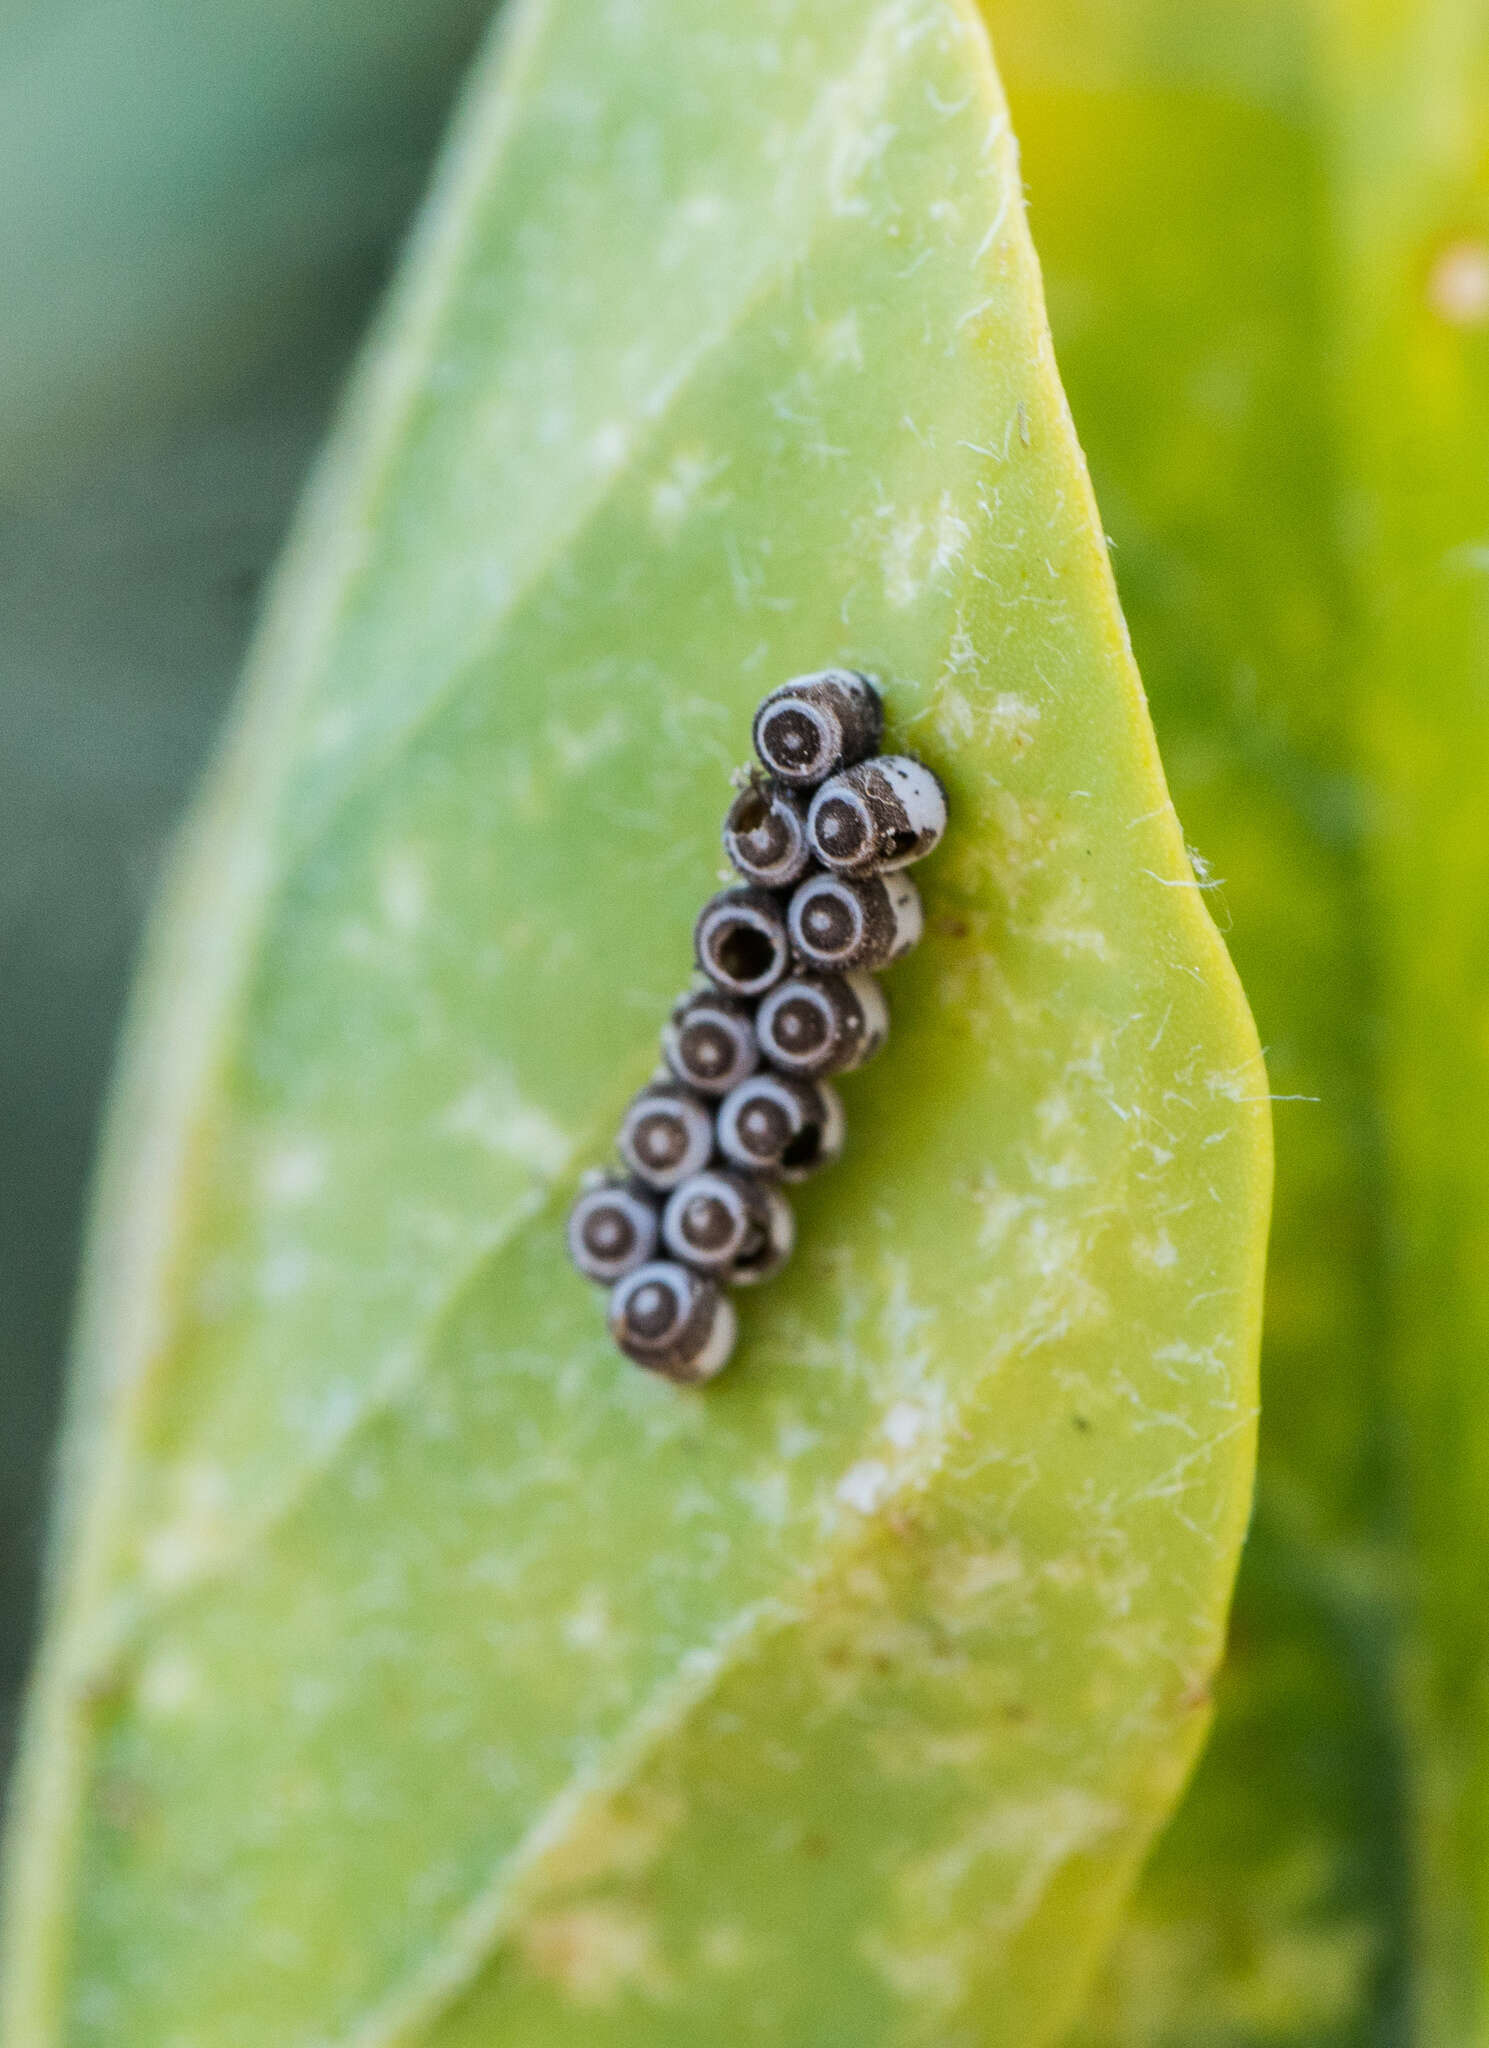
419 1671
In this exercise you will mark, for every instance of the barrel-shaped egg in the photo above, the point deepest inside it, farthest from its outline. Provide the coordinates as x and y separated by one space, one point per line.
781 1125
673 1321
814 725
765 834
878 815
715 1219
842 921
709 1042
823 1023
667 1133
613 1228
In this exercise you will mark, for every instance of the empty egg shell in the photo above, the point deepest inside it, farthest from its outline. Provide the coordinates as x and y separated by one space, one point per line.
765 834
741 941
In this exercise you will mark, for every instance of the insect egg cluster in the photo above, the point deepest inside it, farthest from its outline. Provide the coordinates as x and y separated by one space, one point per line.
743 1106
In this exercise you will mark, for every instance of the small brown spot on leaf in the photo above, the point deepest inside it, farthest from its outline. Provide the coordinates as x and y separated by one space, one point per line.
594 1953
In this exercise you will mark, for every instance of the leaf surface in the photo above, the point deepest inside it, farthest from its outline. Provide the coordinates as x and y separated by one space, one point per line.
420 1672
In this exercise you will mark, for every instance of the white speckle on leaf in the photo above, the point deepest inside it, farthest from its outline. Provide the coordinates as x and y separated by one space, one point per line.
1068 1572
609 445
856 148
1009 721
903 1751
1002 1209
969 1576
962 656
1060 1175
403 891
495 1114
866 1485
916 547
838 343
292 1171
905 1321
1191 1357
949 533
794 1437
678 490
189 1541
1012 1851
1240 1084
1062 927
1041 1835
849 119
284 1274
767 1495
1158 1251
695 217
930 1975
899 550
588 1624
578 747
169 1684
905 1423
